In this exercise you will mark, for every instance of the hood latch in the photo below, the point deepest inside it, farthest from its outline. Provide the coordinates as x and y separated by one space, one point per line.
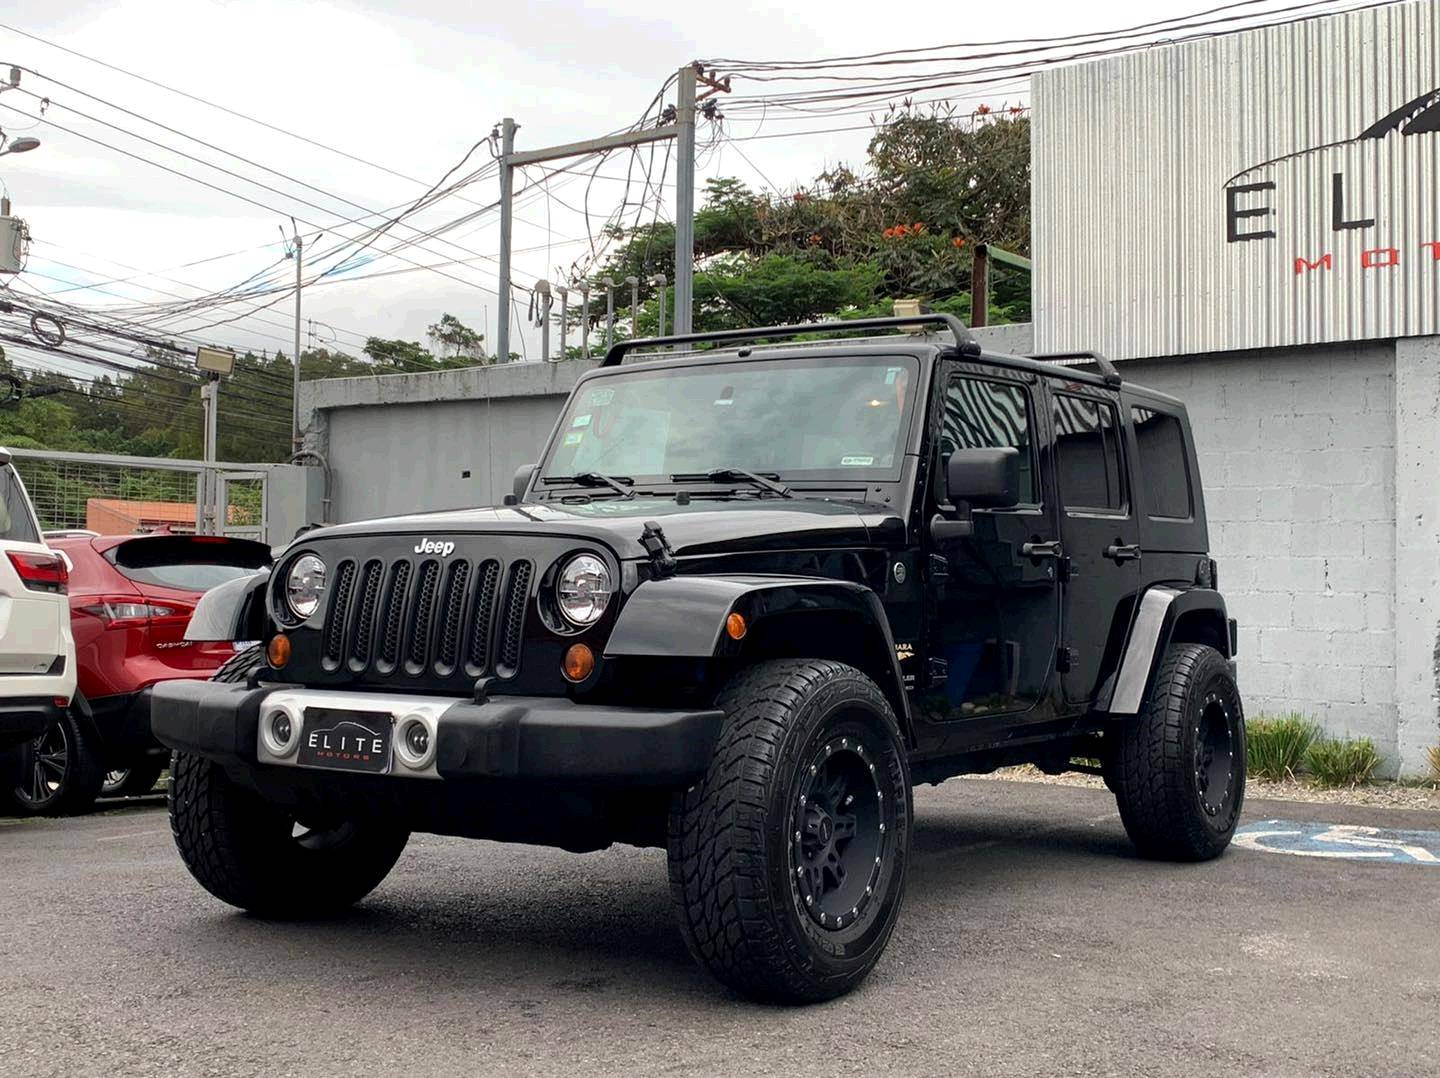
662 557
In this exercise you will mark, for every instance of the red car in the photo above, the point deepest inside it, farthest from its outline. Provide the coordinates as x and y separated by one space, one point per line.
131 598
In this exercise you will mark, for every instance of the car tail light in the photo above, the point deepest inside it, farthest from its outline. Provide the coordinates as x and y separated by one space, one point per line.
40 572
115 612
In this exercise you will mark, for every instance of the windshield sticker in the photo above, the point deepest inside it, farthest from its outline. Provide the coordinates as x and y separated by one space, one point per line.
724 402
598 398
581 420
574 437
856 462
891 373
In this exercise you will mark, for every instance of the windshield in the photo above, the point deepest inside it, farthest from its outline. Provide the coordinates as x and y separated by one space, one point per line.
827 417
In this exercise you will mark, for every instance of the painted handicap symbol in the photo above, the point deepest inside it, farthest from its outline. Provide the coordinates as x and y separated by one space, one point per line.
1346 842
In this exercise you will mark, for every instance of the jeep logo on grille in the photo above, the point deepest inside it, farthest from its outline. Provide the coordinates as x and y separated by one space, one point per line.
431 546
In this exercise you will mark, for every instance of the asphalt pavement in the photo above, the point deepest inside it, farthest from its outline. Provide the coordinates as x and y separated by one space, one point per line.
1032 941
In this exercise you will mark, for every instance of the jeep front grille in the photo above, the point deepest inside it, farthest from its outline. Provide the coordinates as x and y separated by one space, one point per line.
415 618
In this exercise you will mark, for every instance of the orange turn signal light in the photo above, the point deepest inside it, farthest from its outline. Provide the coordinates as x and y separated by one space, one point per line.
735 627
278 650
579 662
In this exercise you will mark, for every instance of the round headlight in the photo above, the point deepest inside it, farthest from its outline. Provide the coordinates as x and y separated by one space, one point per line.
583 590
304 585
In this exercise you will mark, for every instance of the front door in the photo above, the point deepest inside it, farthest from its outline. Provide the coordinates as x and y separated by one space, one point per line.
994 610
1099 530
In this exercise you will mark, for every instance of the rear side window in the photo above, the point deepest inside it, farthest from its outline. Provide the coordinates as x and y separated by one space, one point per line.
1087 454
990 415
187 563
1164 473
17 523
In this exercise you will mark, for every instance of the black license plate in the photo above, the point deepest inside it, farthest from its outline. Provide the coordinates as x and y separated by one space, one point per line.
346 740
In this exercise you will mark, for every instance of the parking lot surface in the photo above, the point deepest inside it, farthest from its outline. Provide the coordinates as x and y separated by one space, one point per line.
1032 942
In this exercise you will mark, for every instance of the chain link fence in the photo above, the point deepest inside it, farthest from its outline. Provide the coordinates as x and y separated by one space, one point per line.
128 495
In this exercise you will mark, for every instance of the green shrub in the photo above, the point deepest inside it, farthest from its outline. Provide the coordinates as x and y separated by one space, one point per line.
1275 745
1342 761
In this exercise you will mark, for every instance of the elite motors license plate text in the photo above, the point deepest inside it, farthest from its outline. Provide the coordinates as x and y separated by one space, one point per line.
346 740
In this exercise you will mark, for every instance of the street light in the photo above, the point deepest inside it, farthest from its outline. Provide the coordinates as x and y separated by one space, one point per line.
20 145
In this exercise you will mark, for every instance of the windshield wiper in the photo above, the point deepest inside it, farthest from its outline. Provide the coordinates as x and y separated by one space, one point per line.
731 475
620 484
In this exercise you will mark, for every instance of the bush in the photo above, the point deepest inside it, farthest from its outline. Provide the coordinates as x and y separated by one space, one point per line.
1434 754
1342 761
1275 745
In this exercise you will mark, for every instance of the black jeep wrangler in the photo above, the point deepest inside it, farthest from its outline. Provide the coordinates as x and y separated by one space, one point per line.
746 599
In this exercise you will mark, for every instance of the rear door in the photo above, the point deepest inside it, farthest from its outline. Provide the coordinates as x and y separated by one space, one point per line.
1099 530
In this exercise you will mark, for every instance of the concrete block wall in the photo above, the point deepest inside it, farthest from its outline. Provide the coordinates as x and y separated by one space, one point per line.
1297 455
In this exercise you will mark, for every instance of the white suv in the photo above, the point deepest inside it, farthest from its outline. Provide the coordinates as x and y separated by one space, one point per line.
37 650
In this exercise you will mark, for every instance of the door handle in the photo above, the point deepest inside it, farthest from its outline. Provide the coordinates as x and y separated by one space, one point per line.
1050 549
1117 552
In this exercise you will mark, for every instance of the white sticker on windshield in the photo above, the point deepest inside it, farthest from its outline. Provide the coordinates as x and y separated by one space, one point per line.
574 437
581 420
856 462
600 397
891 373
724 402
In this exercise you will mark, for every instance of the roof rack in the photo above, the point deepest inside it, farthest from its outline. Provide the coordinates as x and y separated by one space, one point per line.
1107 369
967 343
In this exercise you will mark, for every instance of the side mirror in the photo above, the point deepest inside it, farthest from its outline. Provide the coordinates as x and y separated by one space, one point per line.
523 475
983 478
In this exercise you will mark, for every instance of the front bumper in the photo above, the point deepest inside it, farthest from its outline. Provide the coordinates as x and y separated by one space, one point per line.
24 718
510 737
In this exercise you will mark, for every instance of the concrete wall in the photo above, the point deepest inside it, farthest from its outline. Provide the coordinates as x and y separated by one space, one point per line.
1297 456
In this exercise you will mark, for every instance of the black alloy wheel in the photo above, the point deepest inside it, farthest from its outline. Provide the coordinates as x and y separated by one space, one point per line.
838 829
58 772
1214 755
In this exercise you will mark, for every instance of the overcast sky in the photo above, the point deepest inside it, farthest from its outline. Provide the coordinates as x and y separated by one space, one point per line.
410 86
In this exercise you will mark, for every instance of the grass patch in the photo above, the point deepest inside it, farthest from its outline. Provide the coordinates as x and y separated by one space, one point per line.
1275 745
1342 761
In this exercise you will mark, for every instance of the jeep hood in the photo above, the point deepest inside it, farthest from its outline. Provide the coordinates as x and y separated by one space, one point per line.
703 527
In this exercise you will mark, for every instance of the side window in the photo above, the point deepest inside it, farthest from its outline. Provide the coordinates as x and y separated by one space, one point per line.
990 415
1087 455
15 520
1163 470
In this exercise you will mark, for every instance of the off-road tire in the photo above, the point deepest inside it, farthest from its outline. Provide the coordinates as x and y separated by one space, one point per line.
79 784
247 852
1160 779
139 778
736 855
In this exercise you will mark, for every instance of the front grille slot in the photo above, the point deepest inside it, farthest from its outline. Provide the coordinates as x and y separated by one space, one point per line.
404 619
422 619
487 586
339 613
364 635
394 617
452 615
517 592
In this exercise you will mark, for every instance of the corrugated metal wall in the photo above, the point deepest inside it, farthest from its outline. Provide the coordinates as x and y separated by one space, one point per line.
1133 157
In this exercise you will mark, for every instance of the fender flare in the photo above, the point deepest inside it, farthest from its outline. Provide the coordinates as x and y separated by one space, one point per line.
1159 616
684 617
234 610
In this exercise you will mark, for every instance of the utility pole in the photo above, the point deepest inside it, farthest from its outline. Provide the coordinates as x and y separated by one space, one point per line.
634 283
658 281
609 283
209 495
682 129
685 200
507 194
564 294
295 248
584 320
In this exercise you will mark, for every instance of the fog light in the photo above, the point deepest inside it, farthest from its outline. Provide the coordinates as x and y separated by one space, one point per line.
417 739
415 744
280 732
579 662
278 650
